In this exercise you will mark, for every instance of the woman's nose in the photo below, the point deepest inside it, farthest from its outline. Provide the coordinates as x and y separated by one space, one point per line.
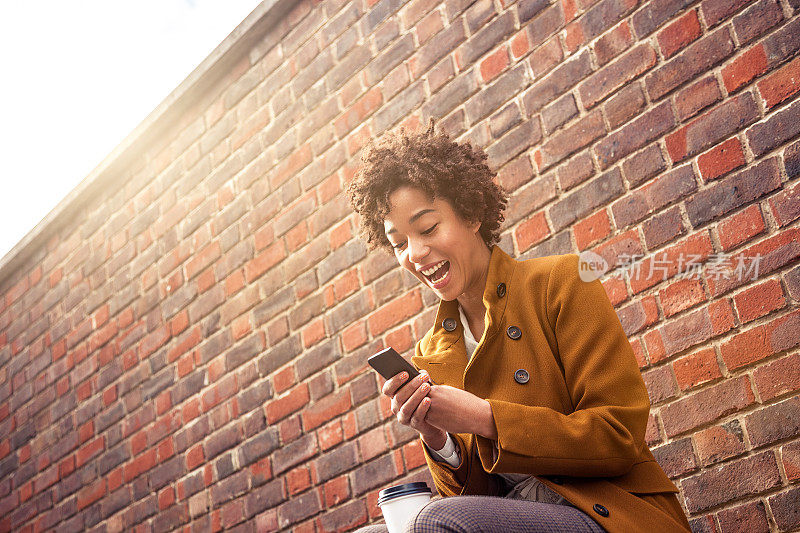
416 251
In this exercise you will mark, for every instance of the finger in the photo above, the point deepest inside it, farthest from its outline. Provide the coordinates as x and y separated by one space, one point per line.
410 405
409 388
418 418
394 383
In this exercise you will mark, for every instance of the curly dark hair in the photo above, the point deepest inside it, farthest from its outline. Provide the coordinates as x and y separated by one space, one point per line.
439 167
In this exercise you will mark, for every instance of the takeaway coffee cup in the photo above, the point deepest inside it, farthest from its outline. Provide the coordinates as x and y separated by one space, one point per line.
402 502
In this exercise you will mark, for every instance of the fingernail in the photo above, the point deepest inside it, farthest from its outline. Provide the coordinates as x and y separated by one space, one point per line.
404 376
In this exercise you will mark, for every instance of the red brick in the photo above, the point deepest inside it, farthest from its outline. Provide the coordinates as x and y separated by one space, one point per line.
532 231
741 227
721 442
680 295
592 229
778 377
762 341
721 159
679 33
707 405
336 491
760 300
298 479
89 451
697 368
613 42
781 84
325 409
287 404
394 312
330 435
666 263
616 74
745 68
91 493
494 64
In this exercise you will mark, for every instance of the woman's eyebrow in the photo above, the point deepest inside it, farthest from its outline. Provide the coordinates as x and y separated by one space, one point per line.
413 218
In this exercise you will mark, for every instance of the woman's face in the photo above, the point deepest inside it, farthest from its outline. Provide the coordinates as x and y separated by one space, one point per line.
426 234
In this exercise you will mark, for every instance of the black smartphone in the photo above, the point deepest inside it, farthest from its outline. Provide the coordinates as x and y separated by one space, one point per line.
388 363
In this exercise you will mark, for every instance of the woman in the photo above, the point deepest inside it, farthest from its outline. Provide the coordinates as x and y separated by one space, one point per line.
530 404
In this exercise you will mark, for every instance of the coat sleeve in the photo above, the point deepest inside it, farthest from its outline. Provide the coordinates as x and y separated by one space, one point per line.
604 434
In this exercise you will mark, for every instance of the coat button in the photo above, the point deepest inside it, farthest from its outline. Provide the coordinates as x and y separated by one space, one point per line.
521 376
514 332
501 290
557 480
601 510
449 324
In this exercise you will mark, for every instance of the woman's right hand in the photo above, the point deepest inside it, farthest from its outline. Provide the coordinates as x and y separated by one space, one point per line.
410 404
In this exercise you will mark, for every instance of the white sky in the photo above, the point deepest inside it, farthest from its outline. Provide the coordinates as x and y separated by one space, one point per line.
78 76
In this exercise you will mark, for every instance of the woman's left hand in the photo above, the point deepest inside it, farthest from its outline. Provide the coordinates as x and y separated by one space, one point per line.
458 411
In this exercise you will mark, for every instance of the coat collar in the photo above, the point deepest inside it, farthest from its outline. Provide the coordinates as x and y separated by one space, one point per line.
495 298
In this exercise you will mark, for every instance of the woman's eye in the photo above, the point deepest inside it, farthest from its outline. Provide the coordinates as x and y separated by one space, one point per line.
426 232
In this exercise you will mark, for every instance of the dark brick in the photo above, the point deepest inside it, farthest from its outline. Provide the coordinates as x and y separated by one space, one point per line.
775 422
167 472
733 192
756 20
736 479
786 508
582 201
222 440
527 9
229 488
545 24
188 386
777 129
581 133
119 499
713 126
373 474
639 204
513 143
676 458
663 228
112 458
490 98
603 15
254 396
267 496
624 105
654 14
260 446
337 461
617 74
575 171
485 39
706 405
556 83
695 59
345 518
294 453
783 42
559 112
635 134
171 518
791 159
714 11
644 165
279 355
299 508
319 357
556 245
243 352
450 96
750 517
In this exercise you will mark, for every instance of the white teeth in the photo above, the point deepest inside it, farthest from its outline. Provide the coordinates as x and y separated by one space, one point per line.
434 268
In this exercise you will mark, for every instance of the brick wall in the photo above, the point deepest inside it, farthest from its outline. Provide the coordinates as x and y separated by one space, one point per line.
184 346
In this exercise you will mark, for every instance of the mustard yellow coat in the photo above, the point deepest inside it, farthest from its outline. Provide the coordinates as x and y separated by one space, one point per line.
578 422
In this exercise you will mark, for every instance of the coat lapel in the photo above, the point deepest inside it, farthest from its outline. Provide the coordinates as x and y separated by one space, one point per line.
444 356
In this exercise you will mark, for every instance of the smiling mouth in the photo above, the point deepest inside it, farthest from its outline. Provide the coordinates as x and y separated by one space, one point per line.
439 274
